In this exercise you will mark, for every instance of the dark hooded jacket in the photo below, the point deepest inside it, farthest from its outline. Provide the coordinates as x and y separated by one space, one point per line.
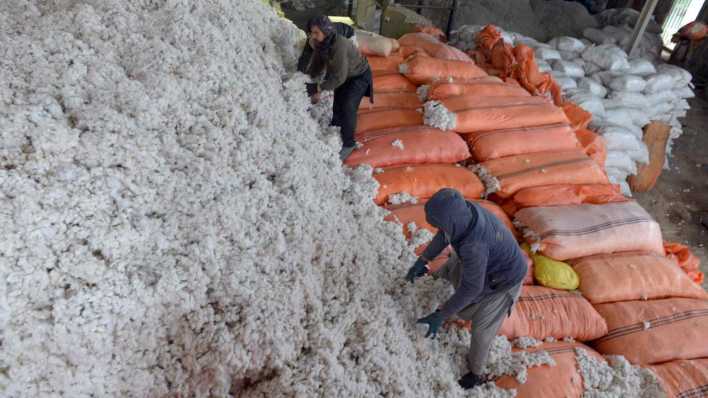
491 258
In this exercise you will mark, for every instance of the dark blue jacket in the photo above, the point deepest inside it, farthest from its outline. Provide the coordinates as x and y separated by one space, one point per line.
491 258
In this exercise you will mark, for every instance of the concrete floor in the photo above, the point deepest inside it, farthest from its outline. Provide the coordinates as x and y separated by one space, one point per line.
679 201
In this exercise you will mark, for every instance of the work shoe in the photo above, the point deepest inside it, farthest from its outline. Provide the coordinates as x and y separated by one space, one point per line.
345 152
470 380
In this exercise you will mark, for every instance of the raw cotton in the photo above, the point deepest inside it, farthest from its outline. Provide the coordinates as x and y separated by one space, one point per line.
402 198
176 224
618 379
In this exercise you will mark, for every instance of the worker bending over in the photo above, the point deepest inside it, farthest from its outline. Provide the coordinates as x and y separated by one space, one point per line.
347 74
486 268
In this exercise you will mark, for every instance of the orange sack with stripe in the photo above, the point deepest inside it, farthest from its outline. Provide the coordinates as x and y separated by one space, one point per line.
387 118
628 276
413 147
422 70
392 83
560 381
509 142
683 378
593 145
442 90
563 194
543 312
385 64
503 117
432 46
506 176
400 100
424 180
655 331
565 232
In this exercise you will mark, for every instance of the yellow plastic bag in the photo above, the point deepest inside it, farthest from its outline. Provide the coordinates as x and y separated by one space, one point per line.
551 273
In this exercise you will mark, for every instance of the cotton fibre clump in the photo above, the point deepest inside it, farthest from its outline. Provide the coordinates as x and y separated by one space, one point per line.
617 379
438 116
401 198
176 222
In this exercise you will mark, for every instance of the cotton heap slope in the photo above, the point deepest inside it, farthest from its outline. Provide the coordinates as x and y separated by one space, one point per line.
176 223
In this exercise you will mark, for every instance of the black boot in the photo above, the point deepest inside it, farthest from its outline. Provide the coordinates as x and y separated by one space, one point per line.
470 380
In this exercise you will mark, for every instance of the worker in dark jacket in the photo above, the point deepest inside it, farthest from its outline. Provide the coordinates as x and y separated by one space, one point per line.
486 268
347 74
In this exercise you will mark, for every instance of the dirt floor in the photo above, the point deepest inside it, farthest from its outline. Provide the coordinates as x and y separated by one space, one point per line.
679 201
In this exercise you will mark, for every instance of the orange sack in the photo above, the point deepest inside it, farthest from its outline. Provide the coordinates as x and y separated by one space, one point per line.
509 142
464 102
392 82
433 46
387 118
507 117
506 176
563 194
565 232
543 312
628 276
422 70
385 64
579 117
528 75
486 88
416 213
655 331
413 147
560 381
423 181
593 145
683 378
401 100
685 259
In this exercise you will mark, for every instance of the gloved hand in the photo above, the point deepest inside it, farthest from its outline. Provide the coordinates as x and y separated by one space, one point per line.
433 321
418 269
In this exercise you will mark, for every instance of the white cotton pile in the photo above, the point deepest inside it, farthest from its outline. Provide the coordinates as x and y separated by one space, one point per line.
618 379
175 223
438 116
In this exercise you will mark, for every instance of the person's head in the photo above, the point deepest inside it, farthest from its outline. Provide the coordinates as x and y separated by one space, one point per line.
447 210
319 28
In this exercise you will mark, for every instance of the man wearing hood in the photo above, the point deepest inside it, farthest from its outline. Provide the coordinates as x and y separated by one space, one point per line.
486 268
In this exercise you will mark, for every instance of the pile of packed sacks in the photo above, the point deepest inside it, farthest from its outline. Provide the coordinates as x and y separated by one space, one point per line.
601 280
623 94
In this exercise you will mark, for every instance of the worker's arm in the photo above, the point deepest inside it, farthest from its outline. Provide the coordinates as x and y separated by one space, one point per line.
304 61
435 247
337 70
474 256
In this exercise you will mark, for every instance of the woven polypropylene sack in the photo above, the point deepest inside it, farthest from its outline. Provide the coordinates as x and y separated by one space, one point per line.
655 331
424 181
543 312
506 176
628 276
420 146
387 118
683 378
565 232
508 142
563 380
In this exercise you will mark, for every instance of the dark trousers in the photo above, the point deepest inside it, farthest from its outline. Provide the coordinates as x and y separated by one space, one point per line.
347 98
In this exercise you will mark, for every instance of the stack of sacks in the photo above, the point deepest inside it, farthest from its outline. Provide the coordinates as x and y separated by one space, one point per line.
617 27
623 95
644 297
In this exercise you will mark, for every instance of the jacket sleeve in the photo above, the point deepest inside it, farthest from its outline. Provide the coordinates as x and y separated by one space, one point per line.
304 61
337 70
475 256
435 247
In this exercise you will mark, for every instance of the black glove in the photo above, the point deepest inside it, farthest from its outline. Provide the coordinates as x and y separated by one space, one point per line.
434 321
418 269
